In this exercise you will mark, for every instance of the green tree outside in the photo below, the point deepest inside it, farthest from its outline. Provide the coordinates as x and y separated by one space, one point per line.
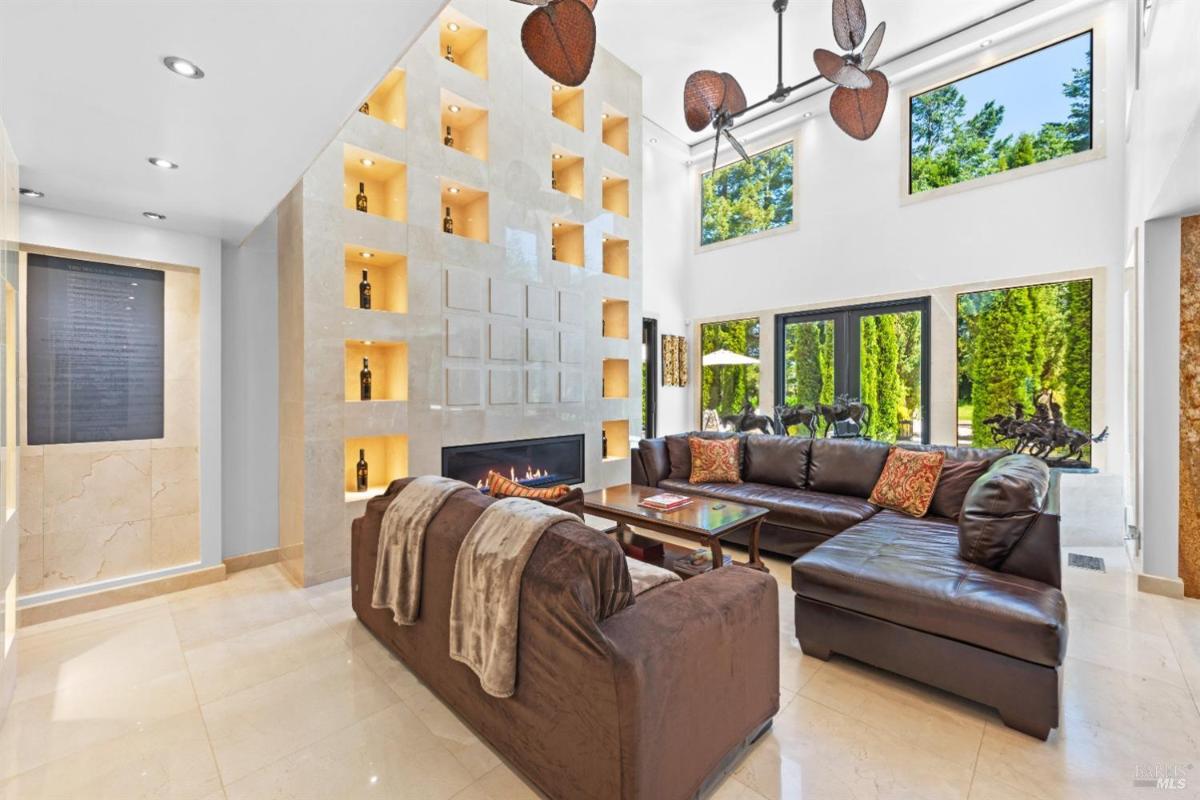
742 199
726 389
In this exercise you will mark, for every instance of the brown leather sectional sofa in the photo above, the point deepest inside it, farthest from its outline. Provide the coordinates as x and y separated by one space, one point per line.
966 598
616 698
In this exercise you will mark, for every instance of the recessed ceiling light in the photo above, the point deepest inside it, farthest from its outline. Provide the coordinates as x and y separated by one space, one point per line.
135 282
653 140
556 87
807 114
605 177
453 27
986 43
154 215
366 162
367 342
31 193
558 224
557 156
604 116
365 254
455 109
454 190
181 66
162 163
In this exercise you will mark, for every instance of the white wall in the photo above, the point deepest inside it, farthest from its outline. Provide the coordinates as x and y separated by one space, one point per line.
250 393
665 284
858 237
1162 184
60 229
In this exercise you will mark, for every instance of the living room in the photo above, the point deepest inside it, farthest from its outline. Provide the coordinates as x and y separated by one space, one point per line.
447 410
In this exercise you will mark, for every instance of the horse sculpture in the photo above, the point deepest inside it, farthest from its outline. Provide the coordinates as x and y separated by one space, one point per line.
799 416
747 421
1043 433
846 418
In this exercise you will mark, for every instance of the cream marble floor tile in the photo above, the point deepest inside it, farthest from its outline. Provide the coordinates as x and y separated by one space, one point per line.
90 619
114 651
221 668
388 667
256 726
170 758
938 723
733 789
1145 654
499 784
1137 612
475 756
246 601
86 712
815 752
389 754
795 668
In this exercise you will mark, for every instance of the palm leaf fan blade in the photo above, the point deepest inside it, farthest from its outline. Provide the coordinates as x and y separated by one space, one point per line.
858 112
849 23
560 40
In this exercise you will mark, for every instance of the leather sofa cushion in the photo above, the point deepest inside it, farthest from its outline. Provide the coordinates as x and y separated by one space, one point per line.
846 466
908 571
792 508
999 507
778 460
952 486
680 453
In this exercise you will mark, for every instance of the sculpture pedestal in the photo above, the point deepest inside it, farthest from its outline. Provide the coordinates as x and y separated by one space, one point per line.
1091 505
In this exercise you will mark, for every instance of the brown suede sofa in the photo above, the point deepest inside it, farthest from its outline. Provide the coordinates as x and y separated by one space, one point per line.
616 697
967 598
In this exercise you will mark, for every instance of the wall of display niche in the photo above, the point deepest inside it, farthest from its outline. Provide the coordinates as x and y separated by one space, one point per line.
9 474
96 511
495 223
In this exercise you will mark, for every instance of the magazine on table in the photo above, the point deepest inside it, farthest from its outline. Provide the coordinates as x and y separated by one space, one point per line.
665 501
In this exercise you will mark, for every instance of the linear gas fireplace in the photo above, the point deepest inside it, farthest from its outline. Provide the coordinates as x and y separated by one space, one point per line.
533 462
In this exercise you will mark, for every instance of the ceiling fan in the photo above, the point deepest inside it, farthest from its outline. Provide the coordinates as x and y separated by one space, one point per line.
559 36
858 102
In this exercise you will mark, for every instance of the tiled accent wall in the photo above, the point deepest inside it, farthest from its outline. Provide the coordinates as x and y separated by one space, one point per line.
503 341
1189 407
91 512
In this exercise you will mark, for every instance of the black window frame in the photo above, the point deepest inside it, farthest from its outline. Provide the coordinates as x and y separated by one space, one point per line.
650 345
847 368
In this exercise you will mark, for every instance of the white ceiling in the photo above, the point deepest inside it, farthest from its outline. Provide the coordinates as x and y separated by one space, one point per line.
86 100
667 40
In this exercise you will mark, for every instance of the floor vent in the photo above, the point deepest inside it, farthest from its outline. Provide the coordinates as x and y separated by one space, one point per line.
1094 563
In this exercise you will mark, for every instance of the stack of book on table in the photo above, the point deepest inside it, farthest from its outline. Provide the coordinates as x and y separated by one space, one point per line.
699 562
665 501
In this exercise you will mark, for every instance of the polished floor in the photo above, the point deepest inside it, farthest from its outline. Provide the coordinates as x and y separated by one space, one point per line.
255 689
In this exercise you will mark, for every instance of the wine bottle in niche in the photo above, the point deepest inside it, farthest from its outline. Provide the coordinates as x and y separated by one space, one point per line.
603 444
364 382
553 180
360 472
553 250
448 222
365 108
360 200
449 54
449 138
364 292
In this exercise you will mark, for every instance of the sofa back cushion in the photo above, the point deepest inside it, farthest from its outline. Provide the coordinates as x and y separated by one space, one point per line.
778 460
957 477
846 466
999 507
680 454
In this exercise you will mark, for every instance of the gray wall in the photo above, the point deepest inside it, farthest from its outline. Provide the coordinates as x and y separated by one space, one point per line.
250 394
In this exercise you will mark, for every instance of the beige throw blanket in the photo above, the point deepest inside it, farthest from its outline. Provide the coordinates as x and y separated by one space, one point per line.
647 576
485 603
402 541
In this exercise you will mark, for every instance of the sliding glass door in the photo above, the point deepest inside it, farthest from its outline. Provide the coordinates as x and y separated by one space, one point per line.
877 353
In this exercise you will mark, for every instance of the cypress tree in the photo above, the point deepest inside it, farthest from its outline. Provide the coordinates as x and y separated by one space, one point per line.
1000 371
869 376
1077 361
888 385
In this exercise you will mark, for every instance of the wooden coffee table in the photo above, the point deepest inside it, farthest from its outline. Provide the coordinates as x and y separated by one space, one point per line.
706 520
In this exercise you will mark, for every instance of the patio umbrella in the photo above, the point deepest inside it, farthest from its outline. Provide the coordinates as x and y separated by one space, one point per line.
722 358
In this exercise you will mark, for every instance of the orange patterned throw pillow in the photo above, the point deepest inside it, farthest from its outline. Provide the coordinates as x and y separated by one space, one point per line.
715 460
908 481
500 486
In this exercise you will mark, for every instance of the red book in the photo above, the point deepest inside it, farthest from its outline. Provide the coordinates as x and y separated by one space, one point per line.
665 502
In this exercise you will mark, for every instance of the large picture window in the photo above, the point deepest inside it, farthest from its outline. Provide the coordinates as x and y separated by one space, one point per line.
743 199
1034 108
1021 344
729 368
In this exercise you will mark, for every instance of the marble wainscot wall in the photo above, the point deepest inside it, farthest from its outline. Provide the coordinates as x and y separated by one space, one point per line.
496 340
10 527
96 511
1189 406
